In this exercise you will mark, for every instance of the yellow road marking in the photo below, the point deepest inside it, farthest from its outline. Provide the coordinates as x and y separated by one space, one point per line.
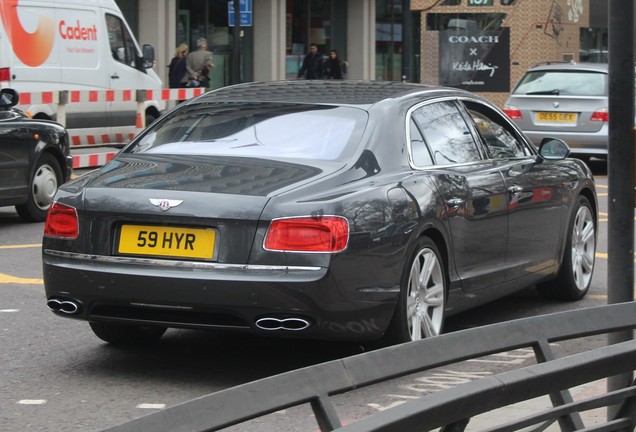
602 194
605 256
601 186
606 214
24 246
4 278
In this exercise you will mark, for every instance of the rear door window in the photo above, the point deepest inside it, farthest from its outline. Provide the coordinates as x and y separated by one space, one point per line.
446 133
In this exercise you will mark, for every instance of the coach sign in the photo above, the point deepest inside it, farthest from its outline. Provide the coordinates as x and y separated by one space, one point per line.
475 61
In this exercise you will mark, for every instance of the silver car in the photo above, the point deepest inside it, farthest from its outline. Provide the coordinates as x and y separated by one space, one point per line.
564 100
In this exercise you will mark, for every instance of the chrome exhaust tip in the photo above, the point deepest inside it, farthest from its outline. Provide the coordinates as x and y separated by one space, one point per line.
65 306
290 324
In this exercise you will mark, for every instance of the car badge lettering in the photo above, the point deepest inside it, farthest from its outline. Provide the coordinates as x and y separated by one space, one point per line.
165 204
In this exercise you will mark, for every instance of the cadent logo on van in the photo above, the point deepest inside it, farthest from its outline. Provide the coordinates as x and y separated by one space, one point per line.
31 48
77 32
34 48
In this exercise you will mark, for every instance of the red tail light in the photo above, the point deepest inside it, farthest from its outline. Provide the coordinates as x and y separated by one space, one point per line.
5 74
308 234
61 221
601 115
512 112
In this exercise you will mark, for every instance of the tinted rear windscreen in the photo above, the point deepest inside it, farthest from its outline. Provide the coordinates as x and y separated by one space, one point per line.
258 130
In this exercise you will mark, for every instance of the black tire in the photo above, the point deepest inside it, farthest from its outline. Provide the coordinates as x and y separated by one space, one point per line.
420 309
45 179
127 335
575 274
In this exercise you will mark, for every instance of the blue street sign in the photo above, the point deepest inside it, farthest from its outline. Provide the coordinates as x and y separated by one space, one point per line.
245 9
244 6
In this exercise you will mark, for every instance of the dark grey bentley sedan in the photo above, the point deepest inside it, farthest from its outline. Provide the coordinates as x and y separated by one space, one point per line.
338 210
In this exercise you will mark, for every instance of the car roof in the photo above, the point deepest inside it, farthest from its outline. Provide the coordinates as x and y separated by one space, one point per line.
338 92
562 65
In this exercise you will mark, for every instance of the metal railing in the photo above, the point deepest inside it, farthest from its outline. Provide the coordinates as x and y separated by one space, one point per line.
449 409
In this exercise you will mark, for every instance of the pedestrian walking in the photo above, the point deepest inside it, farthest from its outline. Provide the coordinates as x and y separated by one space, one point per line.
312 67
177 68
199 65
334 66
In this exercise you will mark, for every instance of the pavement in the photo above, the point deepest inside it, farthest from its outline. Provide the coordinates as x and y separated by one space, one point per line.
533 406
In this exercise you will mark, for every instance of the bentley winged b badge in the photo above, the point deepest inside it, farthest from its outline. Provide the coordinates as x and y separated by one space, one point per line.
165 204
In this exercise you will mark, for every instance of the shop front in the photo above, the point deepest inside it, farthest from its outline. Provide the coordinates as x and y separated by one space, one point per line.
212 20
271 44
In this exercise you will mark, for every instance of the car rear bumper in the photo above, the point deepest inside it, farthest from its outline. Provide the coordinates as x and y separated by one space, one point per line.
213 296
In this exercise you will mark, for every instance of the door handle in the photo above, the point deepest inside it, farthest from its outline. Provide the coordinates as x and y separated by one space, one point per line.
455 203
515 190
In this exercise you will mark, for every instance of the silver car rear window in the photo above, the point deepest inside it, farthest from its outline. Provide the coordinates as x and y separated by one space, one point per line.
257 130
551 82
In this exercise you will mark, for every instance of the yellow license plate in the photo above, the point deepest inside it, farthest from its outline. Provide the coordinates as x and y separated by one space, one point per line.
561 117
167 241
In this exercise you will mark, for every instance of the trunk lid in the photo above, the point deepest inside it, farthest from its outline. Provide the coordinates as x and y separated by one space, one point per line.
139 201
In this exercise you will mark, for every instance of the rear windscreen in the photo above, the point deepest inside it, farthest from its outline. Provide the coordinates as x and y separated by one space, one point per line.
580 83
257 130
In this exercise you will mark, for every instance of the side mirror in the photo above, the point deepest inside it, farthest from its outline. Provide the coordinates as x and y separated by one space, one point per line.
149 56
553 149
8 98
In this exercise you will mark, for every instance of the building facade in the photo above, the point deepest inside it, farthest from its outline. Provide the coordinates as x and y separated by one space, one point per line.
485 46
481 45
270 45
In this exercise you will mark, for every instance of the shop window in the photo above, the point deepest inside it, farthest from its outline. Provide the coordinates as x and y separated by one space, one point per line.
593 45
322 22
196 19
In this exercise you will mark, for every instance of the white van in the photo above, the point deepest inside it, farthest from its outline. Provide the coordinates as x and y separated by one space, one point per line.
49 45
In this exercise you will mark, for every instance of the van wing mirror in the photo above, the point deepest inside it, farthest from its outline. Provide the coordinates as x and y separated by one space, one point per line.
8 98
149 56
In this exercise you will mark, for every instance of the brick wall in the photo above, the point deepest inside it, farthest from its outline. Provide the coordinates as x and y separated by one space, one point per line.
540 30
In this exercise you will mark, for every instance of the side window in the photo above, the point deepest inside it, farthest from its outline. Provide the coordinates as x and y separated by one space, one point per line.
419 151
122 47
499 142
446 133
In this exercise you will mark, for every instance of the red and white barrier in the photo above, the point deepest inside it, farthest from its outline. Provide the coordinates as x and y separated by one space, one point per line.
40 98
81 138
92 159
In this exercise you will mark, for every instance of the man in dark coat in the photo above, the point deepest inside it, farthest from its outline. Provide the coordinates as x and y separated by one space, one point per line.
312 67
